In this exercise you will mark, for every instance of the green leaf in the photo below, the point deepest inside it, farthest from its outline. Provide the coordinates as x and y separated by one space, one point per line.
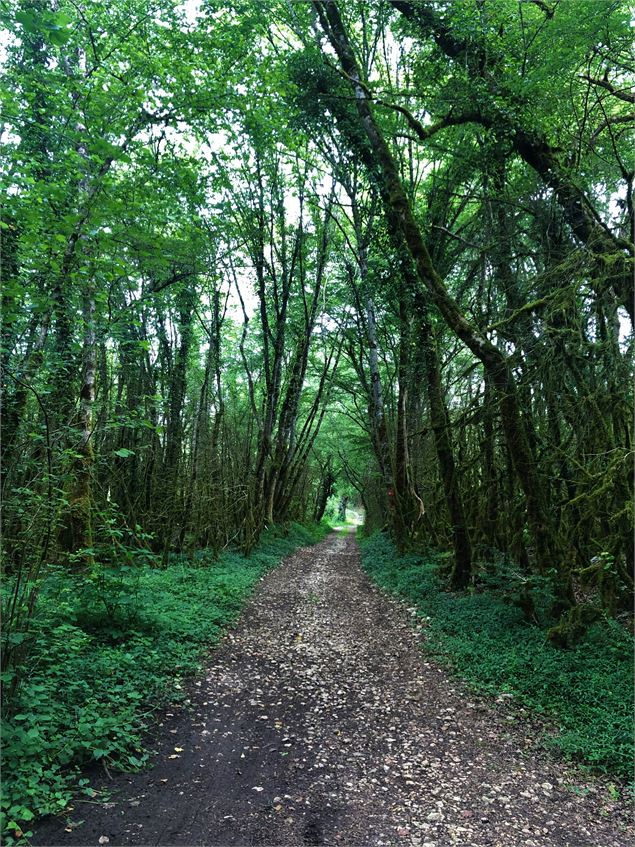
62 19
29 21
58 36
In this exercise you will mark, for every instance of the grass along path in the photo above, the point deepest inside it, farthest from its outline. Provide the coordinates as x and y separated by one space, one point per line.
318 721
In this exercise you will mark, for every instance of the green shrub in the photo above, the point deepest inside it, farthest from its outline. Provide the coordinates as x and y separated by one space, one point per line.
587 691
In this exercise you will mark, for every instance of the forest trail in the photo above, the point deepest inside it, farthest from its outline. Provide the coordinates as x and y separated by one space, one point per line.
319 721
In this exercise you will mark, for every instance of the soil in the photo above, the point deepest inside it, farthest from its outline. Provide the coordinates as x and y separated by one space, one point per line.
319 720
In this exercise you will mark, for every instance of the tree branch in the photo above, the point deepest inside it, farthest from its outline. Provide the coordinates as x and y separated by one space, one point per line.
622 93
616 119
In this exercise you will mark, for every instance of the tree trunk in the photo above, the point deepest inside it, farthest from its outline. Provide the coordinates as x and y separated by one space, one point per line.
462 570
76 531
174 426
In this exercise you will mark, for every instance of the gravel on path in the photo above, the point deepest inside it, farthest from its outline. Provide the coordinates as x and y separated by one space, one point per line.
320 721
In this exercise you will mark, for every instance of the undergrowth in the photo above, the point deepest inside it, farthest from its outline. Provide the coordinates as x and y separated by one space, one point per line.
586 691
104 653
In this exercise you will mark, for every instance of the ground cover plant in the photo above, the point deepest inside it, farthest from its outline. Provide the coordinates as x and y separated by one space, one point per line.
587 690
106 653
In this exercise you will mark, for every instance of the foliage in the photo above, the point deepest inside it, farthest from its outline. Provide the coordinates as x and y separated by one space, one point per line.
106 655
587 691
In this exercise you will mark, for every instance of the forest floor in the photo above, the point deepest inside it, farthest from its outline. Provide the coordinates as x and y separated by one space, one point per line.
320 721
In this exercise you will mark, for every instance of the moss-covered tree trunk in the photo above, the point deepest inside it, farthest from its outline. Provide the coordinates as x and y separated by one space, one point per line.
462 570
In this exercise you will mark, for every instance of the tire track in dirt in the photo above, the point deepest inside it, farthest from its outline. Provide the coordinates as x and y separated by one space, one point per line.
319 721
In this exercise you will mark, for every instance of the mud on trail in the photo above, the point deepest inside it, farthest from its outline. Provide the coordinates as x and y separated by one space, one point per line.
319 721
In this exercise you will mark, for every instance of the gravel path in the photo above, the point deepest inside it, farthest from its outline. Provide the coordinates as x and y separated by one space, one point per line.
320 722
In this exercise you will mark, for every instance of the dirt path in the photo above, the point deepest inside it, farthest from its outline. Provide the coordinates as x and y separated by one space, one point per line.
320 722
